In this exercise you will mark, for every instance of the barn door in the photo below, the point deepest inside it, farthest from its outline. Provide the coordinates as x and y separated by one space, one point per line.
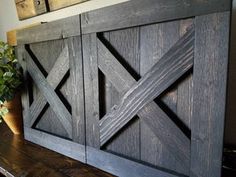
138 90
53 103
151 93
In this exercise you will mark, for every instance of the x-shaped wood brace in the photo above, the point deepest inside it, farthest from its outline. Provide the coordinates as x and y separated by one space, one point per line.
47 87
138 96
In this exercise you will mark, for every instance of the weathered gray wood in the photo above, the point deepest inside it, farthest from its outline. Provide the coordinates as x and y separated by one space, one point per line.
46 54
91 90
155 41
76 74
209 80
58 71
68 148
48 92
184 101
122 167
173 64
59 29
162 126
139 12
126 43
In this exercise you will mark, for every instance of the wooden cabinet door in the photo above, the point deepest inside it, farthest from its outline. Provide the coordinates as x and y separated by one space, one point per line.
137 89
153 94
53 101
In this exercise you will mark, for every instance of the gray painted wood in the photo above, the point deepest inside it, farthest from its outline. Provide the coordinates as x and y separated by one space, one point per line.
56 74
209 80
155 41
177 143
59 29
68 148
139 12
76 74
156 142
49 93
47 54
185 87
122 167
173 64
126 43
91 90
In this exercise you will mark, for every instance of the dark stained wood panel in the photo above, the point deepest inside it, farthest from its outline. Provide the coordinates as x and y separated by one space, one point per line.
58 107
185 88
142 84
156 40
110 124
126 43
123 81
209 80
61 66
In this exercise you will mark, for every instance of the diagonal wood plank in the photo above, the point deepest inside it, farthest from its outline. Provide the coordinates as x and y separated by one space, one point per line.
162 126
56 104
57 73
164 73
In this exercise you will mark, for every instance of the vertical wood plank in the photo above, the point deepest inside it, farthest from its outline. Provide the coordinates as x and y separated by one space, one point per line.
76 74
209 97
156 40
126 44
91 90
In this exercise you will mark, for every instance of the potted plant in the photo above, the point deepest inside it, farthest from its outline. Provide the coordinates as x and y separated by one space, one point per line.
10 81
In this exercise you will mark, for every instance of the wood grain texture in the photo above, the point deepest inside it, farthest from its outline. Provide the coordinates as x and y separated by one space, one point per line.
76 74
45 55
209 80
139 12
155 41
126 43
185 87
29 8
91 90
177 143
122 167
68 148
173 64
56 74
58 4
59 29
59 109
33 155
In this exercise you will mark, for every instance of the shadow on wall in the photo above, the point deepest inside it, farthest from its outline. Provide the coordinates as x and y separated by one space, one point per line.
230 127
229 159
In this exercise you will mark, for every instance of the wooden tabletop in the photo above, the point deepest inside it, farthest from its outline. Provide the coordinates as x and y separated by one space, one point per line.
19 157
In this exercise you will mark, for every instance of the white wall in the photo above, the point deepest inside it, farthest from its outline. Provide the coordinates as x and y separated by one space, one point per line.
9 19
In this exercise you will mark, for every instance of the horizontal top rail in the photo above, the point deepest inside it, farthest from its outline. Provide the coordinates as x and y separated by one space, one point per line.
58 29
139 12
